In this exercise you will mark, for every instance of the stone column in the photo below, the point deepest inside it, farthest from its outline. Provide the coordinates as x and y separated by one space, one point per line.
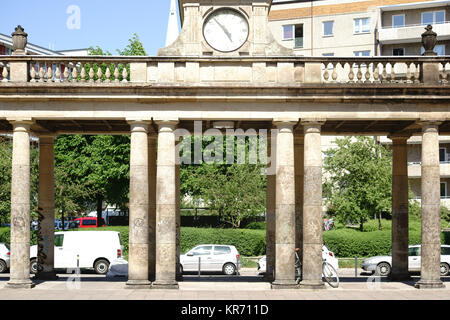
400 228
270 213
299 166
166 211
46 209
285 207
179 275
138 269
151 205
20 208
431 217
312 207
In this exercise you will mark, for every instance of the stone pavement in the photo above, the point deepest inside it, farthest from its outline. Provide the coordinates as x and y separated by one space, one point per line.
248 286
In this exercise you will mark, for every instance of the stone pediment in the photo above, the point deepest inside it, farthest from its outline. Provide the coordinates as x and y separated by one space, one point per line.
194 15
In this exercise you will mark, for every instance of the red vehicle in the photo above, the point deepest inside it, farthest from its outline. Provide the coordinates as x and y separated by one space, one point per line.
89 222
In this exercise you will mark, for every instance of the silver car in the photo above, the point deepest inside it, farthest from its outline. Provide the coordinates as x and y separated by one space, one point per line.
382 264
4 257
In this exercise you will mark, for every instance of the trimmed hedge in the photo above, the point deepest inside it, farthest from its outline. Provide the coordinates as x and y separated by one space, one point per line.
256 225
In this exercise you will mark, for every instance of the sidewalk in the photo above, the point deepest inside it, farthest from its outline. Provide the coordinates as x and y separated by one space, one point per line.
247 286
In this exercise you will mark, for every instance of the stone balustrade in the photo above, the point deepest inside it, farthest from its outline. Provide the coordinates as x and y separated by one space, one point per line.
103 70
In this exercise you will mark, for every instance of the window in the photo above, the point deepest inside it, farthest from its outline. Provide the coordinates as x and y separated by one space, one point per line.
219 250
414 252
398 21
442 154
328 54
202 251
59 239
433 17
443 189
445 251
365 53
439 49
89 222
328 27
362 25
398 52
294 32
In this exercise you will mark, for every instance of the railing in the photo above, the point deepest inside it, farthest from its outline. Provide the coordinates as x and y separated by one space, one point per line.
415 25
329 70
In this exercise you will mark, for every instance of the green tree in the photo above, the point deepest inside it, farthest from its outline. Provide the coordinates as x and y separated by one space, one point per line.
134 47
360 179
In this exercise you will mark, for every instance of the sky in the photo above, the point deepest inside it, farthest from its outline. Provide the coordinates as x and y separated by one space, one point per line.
78 24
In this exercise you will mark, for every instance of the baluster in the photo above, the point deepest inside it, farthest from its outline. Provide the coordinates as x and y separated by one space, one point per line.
91 72
108 74
33 73
99 74
75 73
334 75
384 75
83 73
359 73
408 73
49 72
124 73
326 74
5 71
376 74
116 73
367 74
392 72
41 72
417 73
58 72
351 75
66 72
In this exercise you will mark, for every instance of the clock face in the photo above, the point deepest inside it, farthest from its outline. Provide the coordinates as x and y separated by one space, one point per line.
225 30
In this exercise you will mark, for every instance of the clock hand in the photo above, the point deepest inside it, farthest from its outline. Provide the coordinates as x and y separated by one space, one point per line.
224 29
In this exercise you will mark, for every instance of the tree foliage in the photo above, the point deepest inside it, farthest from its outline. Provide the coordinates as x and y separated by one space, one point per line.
360 179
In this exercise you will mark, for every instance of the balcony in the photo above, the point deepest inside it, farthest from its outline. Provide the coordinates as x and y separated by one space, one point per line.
414 169
412 33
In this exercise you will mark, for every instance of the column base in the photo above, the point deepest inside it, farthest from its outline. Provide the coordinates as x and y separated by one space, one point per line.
284 284
49 276
19 284
163 284
138 284
429 284
399 277
268 277
312 284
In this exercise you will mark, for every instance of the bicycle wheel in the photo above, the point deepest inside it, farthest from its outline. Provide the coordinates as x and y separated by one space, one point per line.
330 274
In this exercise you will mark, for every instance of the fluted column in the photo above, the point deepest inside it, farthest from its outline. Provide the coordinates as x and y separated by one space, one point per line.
166 211
270 213
285 208
138 268
20 208
312 207
431 217
152 205
299 166
46 209
400 228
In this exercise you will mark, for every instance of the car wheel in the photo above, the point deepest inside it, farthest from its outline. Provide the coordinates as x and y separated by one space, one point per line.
444 269
3 266
383 269
33 266
229 269
101 266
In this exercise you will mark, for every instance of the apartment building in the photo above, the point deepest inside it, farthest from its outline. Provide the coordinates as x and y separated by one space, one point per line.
368 28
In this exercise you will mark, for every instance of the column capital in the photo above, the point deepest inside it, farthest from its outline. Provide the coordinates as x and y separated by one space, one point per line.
399 137
18 123
429 122
166 123
46 138
139 125
281 123
313 121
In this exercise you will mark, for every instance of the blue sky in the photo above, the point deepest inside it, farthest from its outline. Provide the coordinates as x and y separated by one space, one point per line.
106 23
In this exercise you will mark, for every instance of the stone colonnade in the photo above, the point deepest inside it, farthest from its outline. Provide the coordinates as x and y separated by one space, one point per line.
294 206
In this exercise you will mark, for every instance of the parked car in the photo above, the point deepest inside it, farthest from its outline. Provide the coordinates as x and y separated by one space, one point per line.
213 257
89 222
382 264
327 255
4 257
95 249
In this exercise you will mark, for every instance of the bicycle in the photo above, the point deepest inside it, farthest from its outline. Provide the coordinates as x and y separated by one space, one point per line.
329 273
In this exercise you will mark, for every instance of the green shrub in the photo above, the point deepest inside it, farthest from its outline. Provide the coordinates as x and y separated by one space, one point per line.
256 226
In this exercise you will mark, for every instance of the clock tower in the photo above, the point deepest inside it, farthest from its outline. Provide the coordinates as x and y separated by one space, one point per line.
236 28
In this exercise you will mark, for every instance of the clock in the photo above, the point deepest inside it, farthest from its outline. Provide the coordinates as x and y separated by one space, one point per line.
225 30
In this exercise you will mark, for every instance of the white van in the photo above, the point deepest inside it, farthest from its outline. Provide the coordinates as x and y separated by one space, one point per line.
94 249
